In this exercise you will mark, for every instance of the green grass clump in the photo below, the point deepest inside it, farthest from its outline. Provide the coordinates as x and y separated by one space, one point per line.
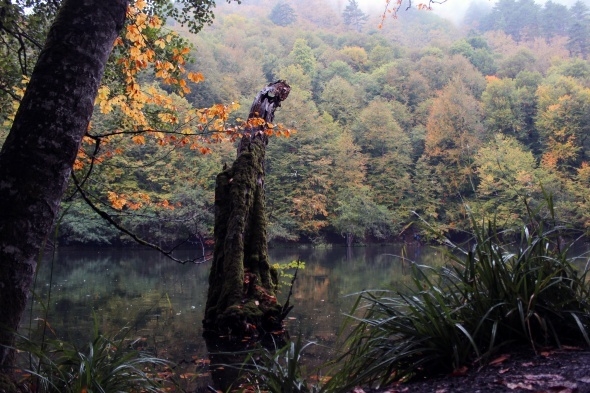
492 295
277 370
106 365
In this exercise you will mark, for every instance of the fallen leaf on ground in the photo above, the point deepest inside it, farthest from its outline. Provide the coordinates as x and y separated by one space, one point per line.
458 372
570 348
565 387
519 385
544 377
499 360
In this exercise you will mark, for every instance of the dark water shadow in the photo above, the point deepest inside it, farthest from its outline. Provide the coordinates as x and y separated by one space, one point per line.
229 356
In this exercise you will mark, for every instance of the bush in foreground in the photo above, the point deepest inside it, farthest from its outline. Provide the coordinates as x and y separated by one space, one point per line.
107 365
492 294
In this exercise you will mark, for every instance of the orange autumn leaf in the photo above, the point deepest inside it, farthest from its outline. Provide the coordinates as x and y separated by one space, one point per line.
117 201
166 205
195 77
138 139
78 165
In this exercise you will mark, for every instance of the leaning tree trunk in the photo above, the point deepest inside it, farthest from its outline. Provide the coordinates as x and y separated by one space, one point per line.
37 157
241 298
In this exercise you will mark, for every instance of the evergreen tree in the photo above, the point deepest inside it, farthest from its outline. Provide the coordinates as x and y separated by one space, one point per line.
517 18
555 20
527 13
503 18
282 14
353 16
476 15
579 32
526 89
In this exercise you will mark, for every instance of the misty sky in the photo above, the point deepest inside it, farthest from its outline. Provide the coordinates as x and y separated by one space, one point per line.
452 9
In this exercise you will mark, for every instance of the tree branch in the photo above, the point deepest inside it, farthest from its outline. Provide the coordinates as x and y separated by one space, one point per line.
137 239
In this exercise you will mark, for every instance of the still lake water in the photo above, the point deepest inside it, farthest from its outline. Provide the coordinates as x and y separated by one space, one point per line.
162 302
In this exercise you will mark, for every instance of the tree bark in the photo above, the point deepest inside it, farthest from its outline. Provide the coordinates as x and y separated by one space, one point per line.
241 298
38 155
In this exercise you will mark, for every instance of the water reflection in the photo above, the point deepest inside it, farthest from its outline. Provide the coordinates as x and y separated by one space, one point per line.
162 302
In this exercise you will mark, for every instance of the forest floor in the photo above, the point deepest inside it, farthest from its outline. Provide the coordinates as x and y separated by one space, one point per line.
564 370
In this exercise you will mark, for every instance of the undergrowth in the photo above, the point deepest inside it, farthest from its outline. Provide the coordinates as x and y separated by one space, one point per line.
493 294
107 364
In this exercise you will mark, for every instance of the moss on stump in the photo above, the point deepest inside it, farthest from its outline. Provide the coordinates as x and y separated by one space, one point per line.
242 287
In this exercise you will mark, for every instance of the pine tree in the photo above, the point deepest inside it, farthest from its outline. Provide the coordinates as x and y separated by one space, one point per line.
282 14
579 32
353 16
555 20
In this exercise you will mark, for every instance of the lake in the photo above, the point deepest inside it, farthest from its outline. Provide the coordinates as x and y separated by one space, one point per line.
162 302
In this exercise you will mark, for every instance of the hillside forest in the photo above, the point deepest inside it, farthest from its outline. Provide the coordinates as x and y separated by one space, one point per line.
389 123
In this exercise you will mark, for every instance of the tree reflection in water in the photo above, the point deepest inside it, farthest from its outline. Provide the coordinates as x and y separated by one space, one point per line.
163 302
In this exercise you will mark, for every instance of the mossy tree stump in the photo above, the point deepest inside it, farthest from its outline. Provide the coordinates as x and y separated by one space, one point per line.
242 286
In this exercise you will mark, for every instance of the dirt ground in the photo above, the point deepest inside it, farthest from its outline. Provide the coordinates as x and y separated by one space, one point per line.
565 370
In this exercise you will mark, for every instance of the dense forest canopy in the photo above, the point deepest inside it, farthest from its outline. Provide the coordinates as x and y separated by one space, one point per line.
421 119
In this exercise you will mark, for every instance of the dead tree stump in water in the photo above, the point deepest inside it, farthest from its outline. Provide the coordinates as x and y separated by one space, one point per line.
241 300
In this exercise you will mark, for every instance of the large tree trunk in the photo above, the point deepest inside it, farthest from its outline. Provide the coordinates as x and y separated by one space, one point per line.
37 157
241 298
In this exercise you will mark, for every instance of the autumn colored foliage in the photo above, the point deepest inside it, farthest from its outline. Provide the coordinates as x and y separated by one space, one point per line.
390 131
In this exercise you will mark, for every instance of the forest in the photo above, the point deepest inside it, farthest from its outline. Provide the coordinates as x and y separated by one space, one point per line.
119 122
389 123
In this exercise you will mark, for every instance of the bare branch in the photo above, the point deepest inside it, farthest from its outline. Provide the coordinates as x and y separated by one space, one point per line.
137 239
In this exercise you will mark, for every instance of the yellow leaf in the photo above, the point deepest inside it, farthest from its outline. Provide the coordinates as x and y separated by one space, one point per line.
168 118
103 94
140 20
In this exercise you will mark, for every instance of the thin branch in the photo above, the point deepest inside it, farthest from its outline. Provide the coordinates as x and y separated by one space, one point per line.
136 238
10 93
92 161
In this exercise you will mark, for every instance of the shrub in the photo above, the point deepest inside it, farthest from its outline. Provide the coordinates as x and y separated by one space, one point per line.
106 365
492 294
